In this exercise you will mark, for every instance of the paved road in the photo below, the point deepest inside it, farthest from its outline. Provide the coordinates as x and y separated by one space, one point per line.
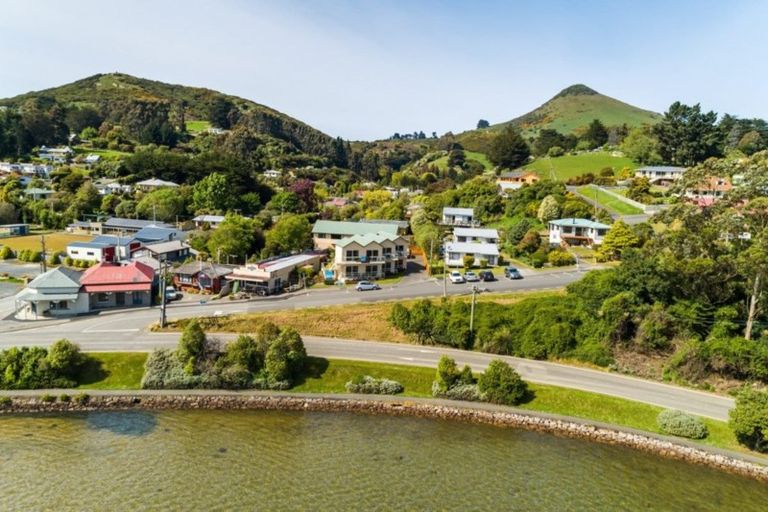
696 402
128 323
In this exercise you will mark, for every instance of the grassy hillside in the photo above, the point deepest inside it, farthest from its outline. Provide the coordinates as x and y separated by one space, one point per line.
569 110
568 166
134 102
442 162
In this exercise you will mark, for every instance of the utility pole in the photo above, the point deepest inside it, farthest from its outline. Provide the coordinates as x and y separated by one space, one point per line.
162 293
42 260
472 310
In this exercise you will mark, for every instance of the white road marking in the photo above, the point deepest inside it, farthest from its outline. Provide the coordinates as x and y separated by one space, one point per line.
407 358
111 330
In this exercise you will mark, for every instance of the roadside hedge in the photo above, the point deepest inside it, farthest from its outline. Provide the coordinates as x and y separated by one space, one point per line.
372 386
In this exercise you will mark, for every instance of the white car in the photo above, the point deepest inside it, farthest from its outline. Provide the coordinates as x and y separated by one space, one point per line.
471 277
363 286
456 277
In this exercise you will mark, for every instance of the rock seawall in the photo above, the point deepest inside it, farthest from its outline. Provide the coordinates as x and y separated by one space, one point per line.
395 407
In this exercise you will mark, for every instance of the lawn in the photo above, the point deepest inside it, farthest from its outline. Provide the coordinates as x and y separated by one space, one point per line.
197 126
569 166
106 154
330 376
607 201
53 241
113 370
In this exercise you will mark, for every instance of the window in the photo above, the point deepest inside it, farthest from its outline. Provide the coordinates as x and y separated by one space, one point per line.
352 255
74 251
137 298
372 255
370 270
400 248
102 297
185 279
60 305
89 253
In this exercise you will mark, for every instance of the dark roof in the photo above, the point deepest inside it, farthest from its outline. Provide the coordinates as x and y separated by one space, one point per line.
119 222
112 240
212 269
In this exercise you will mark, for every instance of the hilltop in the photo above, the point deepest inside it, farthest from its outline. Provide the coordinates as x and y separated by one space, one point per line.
134 102
572 108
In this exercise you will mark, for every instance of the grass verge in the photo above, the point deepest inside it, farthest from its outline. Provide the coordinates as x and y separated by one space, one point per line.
113 370
569 166
609 202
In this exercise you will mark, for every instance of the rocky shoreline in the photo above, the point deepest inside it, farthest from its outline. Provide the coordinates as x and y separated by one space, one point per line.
425 408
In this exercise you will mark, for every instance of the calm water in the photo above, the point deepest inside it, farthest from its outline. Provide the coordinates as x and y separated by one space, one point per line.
247 460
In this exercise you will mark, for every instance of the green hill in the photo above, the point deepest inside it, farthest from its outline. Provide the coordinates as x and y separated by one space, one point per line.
135 102
572 108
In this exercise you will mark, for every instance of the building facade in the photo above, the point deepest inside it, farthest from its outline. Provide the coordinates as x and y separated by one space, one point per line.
370 256
576 232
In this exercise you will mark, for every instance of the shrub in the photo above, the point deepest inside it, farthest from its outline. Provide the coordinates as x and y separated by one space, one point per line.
5 401
447 373
749 419
191 346
468 261
555 151
38 368
68 261
500 384
47 398
466 392
679 423
483 263
373 386
65 398
560 258
6 253
82 398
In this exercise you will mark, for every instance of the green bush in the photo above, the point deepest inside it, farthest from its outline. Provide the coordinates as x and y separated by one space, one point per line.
68 261
682 424
749 419
40 368
47 398
468 261
555 151
372 386
65 398
465 392
447 373
500 384
6 253
560 258
82 398
5 401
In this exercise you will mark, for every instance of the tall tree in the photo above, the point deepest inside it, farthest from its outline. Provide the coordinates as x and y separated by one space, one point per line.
290 234
508 149
596 134
212 194
688 136
483 124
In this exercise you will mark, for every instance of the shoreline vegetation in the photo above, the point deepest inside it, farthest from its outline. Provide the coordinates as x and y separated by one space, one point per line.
672 448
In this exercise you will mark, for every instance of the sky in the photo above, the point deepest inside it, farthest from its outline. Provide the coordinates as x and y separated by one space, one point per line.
366 69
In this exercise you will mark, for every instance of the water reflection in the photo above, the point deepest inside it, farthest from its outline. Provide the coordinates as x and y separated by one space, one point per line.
124 423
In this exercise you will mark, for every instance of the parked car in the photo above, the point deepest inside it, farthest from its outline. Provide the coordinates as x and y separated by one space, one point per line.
486 275
471 277
171 294
364 286
512 273
456 277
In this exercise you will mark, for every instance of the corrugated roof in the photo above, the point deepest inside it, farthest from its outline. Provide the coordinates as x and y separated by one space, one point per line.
120 222
367 238
155 182
212 269
472 248
28 295
163 247
157 234
661 168
209 218
459 211
333 227
111 273
580 223
476 232
59 277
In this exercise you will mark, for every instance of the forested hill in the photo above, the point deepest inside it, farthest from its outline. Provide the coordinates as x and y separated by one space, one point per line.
145 108
568 111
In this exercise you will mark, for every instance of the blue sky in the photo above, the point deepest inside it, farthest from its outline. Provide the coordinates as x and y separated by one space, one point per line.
366 69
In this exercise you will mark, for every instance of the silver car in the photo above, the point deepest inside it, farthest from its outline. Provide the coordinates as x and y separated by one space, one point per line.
364 286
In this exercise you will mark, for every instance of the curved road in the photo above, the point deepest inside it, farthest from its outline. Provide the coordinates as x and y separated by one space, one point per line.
663 395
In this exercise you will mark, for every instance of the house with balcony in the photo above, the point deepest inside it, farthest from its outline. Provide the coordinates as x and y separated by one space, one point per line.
576 232
370 256
325 233
455 252
709 191
458 216
513 180
660 175
273 275
172 250
154 184
208 221
111 285
476 235
204 277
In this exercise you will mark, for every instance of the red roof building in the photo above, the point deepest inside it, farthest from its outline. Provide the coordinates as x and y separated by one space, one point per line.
110 285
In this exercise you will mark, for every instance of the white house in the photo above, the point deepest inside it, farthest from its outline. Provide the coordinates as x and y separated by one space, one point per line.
458 216
660 174
212 221
483 235
272 174
456 251
577 232
36 194
52 294
370 256
154 184
58 155
271 276
325 233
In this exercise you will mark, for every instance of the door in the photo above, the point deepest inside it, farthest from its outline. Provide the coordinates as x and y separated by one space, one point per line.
119 299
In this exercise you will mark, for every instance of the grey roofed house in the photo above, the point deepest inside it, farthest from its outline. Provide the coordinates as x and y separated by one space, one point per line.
212 269
52 293
344 228
150 234
115 240
156 183
131 225
57 278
